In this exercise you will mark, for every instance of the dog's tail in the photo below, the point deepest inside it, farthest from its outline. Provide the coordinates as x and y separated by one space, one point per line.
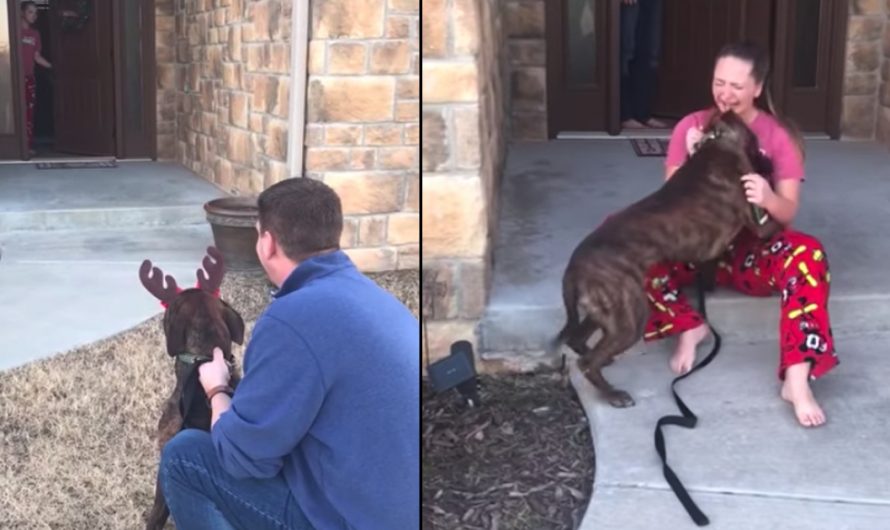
570 299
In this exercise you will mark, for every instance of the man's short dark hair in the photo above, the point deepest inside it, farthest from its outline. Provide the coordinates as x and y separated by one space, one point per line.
303 214
26 4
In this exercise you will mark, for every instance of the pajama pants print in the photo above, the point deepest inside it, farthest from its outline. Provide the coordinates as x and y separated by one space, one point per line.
790 262
30 97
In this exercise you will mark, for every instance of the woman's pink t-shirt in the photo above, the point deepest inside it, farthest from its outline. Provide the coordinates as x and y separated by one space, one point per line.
775 143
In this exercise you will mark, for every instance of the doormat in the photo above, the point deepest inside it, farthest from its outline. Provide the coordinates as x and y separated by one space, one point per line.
649 146
87 164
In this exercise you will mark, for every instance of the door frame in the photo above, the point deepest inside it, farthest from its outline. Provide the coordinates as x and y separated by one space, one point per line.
840 20
149 85
122 137
16 147
838 14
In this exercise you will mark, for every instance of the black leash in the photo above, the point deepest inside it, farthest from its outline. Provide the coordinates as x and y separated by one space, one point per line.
687 420
189 394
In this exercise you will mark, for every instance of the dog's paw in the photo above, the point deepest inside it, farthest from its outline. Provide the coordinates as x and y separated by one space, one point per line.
620 399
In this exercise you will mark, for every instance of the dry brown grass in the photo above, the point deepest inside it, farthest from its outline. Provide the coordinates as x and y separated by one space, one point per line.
77 444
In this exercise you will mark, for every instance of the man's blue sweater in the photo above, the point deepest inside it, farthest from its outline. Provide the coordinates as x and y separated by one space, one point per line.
330 397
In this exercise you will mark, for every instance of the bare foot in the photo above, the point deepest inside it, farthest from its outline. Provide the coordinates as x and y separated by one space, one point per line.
632 124
684 356
655 123
796 390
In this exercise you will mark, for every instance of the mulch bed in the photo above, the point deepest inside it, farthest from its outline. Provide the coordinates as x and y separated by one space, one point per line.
521 460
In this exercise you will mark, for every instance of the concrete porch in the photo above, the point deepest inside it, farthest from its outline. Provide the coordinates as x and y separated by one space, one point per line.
748 464
73 240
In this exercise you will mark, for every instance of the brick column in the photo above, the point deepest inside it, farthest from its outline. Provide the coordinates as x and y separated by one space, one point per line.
363 125
883 125
525 29
860 99
463 151
168 77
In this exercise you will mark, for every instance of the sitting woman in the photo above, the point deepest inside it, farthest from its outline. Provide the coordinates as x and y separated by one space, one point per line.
790 262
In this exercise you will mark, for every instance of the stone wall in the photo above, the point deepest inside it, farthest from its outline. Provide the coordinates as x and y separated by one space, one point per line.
883 119
862 68
527 51
231 80
464 108
167 77
363 129
224 72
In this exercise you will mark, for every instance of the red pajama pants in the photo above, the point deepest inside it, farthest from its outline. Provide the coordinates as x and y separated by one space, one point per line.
30 98
790 262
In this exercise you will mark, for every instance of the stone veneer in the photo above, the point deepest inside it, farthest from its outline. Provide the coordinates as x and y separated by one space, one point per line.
224 73
232 78
883 119
862 68
363 128
463 146
527 50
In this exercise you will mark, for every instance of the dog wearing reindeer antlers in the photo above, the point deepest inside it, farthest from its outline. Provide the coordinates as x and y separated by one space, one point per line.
195 322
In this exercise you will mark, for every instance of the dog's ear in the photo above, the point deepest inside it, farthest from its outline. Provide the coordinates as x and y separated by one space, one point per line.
175 329
234 322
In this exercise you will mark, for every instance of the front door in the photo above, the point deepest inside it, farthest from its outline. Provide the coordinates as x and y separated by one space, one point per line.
84 76
694 32
804 38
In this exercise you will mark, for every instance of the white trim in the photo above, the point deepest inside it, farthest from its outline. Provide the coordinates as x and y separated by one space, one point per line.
299 77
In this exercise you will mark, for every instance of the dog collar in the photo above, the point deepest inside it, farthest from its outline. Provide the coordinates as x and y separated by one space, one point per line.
192 358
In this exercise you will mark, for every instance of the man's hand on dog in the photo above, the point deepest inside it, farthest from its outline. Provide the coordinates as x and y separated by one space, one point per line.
757 190
214 373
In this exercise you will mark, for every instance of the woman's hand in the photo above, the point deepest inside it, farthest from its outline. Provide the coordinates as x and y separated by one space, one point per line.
693 136
757 190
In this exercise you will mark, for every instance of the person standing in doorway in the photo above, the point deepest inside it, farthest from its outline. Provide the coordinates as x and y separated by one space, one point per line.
30 54
640 51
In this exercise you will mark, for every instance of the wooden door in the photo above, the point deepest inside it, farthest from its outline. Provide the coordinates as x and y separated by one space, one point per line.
84 77
581 53
694 32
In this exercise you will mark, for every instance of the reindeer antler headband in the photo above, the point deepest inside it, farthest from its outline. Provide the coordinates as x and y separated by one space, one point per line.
164 287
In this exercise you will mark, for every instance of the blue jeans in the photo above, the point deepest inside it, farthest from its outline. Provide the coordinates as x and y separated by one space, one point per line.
640 53
201 494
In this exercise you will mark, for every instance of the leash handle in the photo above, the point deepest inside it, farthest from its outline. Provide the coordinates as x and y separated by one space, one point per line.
688 420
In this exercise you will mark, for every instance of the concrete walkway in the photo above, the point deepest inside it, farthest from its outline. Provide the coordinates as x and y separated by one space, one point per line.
73 241
747 464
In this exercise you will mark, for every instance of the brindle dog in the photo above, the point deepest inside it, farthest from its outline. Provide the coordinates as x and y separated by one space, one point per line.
692 218
195 322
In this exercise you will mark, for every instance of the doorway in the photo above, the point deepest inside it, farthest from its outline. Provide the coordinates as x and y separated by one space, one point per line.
804 38
98 98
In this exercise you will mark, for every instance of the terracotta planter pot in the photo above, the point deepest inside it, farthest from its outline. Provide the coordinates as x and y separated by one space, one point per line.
233 220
